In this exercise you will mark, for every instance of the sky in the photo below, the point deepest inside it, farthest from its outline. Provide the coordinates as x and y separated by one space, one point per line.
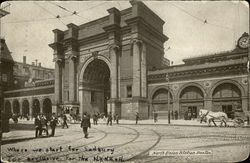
194 28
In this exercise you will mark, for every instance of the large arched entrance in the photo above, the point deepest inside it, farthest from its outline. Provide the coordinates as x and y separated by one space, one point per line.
227 98
16 107
191 101
47 107
36 107
7 107
25 106
160 101
95 87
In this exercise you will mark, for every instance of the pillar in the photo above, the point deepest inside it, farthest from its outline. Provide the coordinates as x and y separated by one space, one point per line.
208 104
30 108
21 106
72 78
114 71
58 82
41 106
136 88
143 71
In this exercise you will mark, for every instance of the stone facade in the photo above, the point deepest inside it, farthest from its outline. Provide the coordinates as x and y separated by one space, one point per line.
102 58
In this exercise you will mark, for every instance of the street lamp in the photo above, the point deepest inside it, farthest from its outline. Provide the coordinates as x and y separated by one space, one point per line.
167 79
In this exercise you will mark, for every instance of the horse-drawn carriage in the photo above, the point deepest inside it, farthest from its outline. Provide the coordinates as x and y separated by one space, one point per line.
240 118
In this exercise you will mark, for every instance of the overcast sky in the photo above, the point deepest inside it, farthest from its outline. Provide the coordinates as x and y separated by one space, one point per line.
193 28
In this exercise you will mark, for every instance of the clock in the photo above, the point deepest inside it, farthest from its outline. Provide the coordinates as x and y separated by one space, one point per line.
243 42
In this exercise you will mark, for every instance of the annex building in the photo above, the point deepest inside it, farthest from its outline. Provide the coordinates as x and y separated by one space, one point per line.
116 64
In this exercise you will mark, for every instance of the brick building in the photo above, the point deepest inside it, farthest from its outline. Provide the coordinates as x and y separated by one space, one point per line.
116 64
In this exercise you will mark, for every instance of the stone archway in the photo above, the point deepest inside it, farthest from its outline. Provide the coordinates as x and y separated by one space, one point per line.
25 107
191 101
7 107
16 107
35 107
47 107
160 103
94 86
227 97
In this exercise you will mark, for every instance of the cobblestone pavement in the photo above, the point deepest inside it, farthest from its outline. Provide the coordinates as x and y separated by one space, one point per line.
130 143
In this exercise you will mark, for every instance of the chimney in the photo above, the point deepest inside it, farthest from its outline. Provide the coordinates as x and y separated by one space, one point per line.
39 64
33 63
24 59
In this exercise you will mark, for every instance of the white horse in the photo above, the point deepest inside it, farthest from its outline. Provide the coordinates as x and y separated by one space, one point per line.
211 116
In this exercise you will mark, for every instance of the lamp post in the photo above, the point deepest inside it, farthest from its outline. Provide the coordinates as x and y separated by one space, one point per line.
167 79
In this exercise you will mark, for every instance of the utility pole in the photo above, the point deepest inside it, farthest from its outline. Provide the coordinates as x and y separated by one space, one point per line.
167 79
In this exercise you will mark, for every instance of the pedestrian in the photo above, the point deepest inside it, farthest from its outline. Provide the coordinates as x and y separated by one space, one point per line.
44 123
176 115
114 118
53 122
109 121
136 117
155 116
38 126
85 124
65 121
117 118
95 118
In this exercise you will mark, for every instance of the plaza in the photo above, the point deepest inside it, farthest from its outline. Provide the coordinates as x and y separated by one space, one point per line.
129 142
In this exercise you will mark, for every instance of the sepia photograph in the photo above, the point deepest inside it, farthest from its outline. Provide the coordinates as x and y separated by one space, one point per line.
137 81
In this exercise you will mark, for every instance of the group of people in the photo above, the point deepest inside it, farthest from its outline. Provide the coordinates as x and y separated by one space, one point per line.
41 125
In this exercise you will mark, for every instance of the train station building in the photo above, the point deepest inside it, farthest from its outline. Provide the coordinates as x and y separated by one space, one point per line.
116 64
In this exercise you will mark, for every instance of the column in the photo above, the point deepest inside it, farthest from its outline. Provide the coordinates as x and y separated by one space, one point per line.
143 71
58 82
72 79
30 108
208 104
41 105
136 89
114 72
21 106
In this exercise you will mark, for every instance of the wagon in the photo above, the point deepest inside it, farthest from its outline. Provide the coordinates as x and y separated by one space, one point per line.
240 118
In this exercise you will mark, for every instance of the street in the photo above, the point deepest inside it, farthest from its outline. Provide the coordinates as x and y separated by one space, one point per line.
120 143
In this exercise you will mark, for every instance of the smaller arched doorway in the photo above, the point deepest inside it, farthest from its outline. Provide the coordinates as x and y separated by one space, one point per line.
36 107
47 107
16 107
160 104
8 108
227 98
191 101
25 108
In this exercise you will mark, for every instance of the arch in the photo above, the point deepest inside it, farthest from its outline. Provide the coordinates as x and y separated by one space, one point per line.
191 93
191 84
88 61
191 100
227 97
35 107
7 107
16 107
94 81
25 107
161 87
243 93
47 106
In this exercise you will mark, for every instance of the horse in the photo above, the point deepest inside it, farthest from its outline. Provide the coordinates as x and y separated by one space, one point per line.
211 116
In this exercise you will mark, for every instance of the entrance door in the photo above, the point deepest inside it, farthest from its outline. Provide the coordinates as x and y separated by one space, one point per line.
228 109
192 110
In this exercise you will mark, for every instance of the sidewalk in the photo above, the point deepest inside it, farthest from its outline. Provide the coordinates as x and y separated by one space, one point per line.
179 122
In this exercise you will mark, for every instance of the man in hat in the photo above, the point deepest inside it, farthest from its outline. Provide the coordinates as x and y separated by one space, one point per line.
53 122
85 124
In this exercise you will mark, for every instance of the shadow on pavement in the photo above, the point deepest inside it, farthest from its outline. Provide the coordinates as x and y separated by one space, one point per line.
11 141
20 126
